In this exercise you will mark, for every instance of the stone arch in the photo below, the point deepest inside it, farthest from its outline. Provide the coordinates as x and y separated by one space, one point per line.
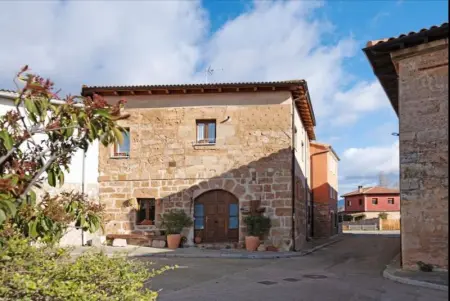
216 216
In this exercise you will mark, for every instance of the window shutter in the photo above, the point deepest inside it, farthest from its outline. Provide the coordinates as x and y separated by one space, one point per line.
200 131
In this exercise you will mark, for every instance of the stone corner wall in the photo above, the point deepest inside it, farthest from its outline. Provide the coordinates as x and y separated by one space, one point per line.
423 116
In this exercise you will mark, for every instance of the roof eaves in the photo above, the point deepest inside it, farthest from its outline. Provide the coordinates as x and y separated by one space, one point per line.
378 55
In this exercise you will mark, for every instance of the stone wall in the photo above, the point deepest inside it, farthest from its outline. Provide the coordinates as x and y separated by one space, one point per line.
251 158
423 114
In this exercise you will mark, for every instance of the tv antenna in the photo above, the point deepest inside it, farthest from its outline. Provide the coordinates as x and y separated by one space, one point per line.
209 72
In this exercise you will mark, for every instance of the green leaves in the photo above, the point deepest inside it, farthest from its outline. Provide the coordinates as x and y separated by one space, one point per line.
46 273
8 207
51 177
7 140
118 134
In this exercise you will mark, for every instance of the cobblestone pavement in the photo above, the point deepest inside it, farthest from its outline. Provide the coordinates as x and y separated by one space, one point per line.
350 270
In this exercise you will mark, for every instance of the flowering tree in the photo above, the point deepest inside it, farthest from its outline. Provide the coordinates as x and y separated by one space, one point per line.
38 139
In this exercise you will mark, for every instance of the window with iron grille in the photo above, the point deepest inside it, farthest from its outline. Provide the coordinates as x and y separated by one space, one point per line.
145 215
206 131
122 150
391 201
375 201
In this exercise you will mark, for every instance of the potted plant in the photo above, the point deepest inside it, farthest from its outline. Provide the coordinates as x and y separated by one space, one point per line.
173 223
257 226
198 239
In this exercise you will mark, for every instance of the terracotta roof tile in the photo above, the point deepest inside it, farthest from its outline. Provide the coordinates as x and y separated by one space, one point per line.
199 85
377 42
373 190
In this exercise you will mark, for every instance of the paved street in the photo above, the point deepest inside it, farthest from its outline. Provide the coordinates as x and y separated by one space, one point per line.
348 270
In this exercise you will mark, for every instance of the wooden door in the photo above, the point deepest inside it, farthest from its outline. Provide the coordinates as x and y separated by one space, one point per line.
213 224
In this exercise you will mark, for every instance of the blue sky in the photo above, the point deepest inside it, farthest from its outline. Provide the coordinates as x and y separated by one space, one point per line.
142 42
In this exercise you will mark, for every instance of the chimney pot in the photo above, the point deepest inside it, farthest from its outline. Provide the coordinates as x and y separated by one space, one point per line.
360 188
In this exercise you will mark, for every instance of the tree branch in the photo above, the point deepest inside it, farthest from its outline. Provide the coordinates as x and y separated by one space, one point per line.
38 175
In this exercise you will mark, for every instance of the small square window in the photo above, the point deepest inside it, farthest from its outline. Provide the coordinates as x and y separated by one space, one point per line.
122 150
349 203
375 201
206 131
146 212
391 201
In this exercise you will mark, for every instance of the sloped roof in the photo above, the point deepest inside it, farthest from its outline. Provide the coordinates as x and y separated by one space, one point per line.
328 147
373 190
298 89
378 53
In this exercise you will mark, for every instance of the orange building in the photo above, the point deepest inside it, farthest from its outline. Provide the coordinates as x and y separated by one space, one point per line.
324 184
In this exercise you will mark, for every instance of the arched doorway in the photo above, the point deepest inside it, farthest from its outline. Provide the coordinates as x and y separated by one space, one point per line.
216 217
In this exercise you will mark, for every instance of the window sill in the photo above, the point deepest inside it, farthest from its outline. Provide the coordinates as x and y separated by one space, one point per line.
203 143
204 146
119 157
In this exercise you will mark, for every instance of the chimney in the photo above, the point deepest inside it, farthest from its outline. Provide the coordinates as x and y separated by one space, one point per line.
360 188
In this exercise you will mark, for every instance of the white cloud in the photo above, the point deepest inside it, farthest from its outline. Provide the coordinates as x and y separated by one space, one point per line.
370 161
362 166
76 42
362 98
123 43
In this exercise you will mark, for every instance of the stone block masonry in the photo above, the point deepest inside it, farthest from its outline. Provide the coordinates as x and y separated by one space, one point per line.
251 159
423 114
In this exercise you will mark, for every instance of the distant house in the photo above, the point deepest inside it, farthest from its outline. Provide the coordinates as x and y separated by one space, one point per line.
324 185
413 70
371 201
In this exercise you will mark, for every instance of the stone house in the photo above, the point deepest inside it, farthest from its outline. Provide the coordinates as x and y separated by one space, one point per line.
371 201
324 185
413 70
215 151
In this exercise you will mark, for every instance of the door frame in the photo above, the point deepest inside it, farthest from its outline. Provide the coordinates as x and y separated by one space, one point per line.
232 235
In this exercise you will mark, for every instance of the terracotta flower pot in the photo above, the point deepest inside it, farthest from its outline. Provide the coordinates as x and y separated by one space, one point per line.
173 241
198 239
252 243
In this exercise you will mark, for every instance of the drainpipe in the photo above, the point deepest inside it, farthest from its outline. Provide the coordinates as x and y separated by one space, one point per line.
82 190
293 176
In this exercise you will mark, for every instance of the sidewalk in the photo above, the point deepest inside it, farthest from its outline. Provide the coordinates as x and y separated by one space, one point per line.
193 252
435 280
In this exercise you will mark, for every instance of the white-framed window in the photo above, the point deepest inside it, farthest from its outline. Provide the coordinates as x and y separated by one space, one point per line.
122 150
206 131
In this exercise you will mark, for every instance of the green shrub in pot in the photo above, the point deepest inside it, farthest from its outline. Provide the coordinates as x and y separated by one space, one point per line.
257 226
173 223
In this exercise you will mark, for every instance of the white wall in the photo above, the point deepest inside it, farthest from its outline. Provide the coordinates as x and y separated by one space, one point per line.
302 154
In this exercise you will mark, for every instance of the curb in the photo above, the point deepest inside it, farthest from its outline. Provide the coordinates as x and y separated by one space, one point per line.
389 273
334 240
257 255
